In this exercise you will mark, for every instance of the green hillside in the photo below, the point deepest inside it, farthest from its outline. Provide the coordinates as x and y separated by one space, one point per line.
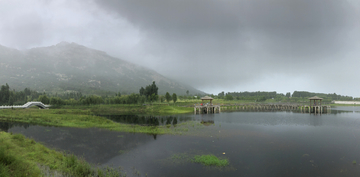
71 67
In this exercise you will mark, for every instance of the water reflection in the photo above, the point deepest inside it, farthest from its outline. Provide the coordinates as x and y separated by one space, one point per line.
5 126
315 120
95 145
294 144
289 118
147 120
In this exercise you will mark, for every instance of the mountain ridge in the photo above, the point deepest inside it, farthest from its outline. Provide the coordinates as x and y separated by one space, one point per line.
73 67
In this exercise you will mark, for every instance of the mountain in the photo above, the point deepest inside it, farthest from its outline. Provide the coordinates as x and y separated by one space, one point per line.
72 67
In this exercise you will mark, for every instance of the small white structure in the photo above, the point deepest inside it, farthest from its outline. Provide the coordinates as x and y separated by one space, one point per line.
27 105
346 102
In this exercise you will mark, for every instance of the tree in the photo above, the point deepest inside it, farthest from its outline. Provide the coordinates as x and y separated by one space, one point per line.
221 95
142 91
142 99
167 97
149 90
44 99
187 92
5 94
162 99
263 98
228 97
174 97
288 94
153 97
11 100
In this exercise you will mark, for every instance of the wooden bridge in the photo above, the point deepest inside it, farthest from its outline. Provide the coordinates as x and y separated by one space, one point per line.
278 107
210 108
314 107
27 105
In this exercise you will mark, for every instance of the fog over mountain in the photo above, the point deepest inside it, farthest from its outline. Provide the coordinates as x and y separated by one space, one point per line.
73 67
229 45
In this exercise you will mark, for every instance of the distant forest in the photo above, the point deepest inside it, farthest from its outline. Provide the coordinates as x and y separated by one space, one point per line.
149 94
296 95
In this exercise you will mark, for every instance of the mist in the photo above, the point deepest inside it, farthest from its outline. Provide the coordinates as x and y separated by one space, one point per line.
214 46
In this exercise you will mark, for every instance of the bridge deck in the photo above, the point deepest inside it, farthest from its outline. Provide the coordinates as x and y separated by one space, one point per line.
27 105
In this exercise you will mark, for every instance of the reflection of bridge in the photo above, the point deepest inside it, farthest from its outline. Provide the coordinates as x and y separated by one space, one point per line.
27 105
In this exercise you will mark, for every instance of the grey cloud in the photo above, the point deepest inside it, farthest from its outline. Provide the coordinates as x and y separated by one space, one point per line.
289 28
239 42
213 45
23 31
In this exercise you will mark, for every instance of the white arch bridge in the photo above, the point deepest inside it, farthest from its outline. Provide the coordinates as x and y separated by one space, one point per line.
27 105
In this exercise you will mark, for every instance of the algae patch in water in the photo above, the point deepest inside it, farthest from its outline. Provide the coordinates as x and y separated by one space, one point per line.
210 160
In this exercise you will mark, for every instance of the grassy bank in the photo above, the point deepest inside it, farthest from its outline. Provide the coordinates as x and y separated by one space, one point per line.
20 156
155 109
83 117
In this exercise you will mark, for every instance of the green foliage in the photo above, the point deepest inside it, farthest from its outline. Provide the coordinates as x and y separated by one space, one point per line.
167 97
221 94
210 160
329 97
44 99
92 99
261 99
149 90
56 101
288 94
254 95
228 97
174 97
11 97
162 99
153 97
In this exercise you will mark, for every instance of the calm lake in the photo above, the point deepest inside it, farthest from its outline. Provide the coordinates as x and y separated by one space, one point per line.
255 143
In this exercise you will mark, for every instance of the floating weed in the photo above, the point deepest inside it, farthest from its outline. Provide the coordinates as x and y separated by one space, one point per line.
210 160
354 162
122 151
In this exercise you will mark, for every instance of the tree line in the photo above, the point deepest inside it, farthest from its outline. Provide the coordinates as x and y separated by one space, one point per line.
149 94
11 97
296 95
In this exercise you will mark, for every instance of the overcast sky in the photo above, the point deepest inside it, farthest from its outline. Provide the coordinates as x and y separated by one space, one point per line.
213 45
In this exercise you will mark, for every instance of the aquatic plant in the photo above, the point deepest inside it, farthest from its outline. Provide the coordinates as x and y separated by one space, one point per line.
210 160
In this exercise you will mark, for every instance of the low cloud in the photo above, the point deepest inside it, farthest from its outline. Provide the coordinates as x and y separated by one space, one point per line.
281 45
